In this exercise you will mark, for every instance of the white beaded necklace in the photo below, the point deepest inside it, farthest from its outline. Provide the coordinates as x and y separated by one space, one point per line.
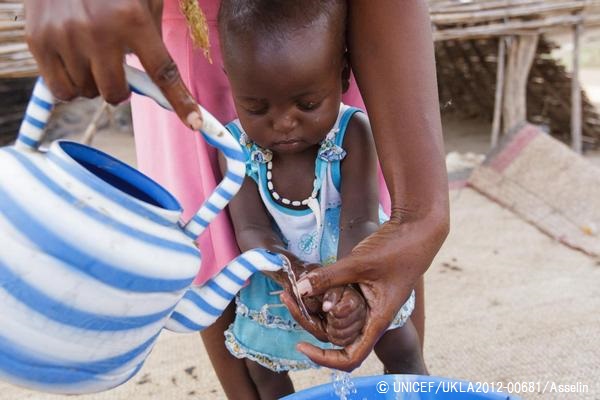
328 151
311 201
288 202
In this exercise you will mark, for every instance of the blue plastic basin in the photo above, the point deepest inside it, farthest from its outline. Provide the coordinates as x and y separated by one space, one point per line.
404 387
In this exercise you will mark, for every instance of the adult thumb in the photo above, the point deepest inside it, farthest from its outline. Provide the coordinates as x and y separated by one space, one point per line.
343 272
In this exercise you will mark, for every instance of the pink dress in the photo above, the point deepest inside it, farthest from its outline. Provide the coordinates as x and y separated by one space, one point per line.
178 158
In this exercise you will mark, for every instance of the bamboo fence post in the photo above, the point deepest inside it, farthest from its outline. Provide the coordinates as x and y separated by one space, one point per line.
521 53
92 127
576 140
499 90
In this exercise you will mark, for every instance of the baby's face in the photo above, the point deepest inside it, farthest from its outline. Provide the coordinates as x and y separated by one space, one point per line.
287 93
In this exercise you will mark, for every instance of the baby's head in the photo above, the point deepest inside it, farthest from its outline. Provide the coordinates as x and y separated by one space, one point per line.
286 64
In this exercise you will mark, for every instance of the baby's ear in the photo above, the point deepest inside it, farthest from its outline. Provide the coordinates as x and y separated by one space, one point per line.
346 70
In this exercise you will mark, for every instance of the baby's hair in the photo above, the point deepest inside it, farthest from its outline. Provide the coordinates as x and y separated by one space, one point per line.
278 19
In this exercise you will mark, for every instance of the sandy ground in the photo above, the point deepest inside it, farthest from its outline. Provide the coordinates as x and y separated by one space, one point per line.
505 303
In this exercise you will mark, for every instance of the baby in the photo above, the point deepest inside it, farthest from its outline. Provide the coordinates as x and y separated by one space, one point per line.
311 190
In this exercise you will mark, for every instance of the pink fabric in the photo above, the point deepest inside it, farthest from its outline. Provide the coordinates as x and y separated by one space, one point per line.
179 159
173 155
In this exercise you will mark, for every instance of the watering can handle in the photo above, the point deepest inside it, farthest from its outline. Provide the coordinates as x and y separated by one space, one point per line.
40 107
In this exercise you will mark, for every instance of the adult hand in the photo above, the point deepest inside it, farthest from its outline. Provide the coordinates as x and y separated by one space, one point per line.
80 48
385 265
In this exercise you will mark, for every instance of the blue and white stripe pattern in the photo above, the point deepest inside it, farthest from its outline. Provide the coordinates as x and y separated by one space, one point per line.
94 261
36 116
201 306
216 135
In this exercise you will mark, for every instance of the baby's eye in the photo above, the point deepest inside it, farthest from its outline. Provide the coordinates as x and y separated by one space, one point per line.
256 110
308 105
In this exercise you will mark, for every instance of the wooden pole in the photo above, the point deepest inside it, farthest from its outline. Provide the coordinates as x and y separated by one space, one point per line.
499 91
513 27
506 12
521 53
576 140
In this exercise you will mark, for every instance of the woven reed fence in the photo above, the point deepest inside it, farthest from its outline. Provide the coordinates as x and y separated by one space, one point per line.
15 59
17 69
471 19
471 36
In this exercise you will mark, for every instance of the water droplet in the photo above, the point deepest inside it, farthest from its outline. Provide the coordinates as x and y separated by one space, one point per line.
342 384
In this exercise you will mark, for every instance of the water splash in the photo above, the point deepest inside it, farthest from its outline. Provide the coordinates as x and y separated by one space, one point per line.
342 384
287 267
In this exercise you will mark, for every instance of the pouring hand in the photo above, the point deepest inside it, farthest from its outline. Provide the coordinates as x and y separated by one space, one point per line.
80 46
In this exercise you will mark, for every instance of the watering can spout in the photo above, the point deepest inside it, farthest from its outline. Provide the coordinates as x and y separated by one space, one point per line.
202 305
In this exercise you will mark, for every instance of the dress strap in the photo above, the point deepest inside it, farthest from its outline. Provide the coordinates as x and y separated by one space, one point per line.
347 114
236 131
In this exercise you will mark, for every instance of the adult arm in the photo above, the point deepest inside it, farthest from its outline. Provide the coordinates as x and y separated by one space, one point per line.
391 50
80 48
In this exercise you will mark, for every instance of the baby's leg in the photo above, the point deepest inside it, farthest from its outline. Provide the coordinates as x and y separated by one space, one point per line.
232 372
400 351
269 384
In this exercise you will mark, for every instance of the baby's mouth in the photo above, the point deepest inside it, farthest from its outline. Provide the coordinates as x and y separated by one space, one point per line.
288 141
288 144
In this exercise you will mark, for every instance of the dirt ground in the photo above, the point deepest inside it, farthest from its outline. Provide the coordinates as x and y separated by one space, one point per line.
505 303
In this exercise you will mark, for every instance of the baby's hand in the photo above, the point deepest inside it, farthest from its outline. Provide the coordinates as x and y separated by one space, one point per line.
346 311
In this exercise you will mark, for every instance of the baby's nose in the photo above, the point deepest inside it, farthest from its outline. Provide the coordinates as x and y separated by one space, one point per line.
285 123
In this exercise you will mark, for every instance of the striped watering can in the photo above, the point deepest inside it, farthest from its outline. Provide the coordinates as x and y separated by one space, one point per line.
94 260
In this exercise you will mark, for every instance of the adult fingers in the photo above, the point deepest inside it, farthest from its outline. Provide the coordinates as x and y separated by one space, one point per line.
56 77
351 356
68 37
345 359
156 7
351 269
49 61
110 79
161 68
79 70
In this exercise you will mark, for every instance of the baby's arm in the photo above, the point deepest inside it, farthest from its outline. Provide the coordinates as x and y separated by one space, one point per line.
359 218
359 187
252 225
